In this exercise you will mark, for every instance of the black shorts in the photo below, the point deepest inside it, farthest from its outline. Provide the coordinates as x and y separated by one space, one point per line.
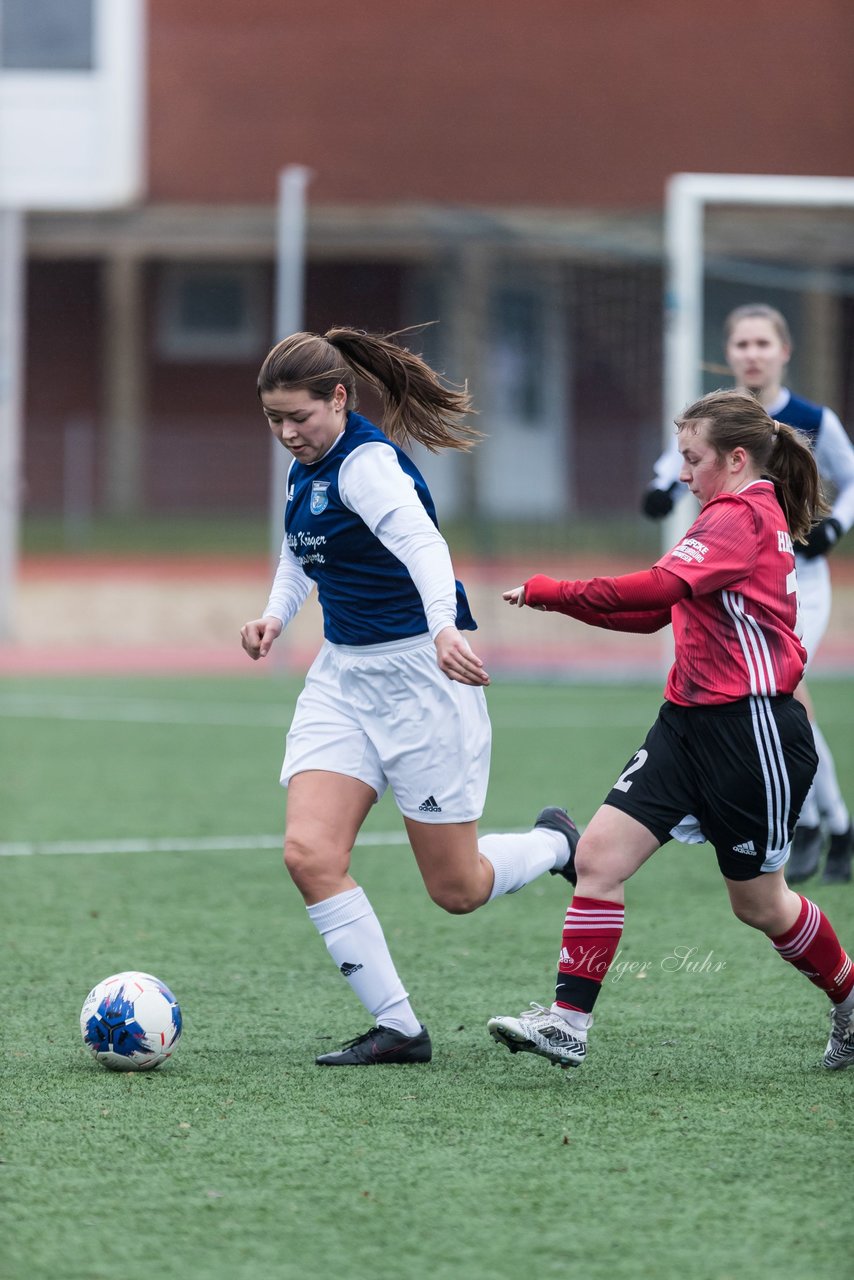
735 774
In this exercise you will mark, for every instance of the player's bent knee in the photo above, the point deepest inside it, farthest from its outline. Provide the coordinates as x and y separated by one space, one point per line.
757 915
294 858
309 867
770 913
297 867
457 900
595 860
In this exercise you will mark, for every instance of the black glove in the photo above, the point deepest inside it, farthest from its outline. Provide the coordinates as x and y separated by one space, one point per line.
658 503
821 538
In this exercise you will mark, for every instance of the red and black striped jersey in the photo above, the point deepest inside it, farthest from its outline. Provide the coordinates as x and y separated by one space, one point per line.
737 632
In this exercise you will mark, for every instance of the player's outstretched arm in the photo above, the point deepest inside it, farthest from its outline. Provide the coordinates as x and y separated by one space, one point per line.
632 602
257 636
516 595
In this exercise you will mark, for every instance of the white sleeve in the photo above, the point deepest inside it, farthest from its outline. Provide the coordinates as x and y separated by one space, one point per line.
834 454
419 545
372 483
290 588
667 468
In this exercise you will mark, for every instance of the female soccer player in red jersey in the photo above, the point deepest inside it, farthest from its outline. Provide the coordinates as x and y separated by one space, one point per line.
731 756
758 347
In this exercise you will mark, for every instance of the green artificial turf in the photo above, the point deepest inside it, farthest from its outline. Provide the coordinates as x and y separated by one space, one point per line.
701 1138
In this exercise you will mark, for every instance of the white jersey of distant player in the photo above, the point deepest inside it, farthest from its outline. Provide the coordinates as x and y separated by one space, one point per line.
834 455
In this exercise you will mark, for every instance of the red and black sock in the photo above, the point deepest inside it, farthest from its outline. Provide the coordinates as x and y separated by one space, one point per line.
591 934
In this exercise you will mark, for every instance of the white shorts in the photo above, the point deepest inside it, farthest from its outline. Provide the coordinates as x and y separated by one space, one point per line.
386 714
814 601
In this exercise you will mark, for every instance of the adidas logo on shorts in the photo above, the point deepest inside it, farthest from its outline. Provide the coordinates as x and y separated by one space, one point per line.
747 847
430 806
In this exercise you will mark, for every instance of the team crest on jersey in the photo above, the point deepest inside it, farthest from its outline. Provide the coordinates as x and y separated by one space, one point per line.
319 498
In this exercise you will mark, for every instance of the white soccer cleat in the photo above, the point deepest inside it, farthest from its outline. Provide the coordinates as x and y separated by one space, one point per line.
539 1030
840 1047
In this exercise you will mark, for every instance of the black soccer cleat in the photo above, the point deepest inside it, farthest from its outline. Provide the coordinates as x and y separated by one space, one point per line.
805 854
378 1047
837 869
557 819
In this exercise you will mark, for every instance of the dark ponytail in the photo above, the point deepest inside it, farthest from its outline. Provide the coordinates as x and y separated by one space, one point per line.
417 404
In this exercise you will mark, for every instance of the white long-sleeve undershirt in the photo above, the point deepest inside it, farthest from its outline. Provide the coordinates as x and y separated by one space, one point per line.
291 587
372 484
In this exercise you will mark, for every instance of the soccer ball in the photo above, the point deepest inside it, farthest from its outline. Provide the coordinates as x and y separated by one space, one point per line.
131 1022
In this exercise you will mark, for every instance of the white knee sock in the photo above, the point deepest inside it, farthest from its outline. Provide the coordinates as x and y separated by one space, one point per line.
519 859
828 796
355 941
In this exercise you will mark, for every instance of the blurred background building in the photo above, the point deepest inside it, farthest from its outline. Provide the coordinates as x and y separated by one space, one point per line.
494 166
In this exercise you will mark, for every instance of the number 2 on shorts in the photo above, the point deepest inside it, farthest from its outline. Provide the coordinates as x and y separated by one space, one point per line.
637 763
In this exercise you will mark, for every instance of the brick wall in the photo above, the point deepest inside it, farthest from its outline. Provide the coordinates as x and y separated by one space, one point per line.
586 103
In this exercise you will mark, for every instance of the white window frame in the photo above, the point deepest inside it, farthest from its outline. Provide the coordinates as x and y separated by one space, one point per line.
176 342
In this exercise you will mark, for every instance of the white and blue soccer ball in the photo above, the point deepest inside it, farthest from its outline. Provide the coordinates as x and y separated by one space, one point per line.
131 1022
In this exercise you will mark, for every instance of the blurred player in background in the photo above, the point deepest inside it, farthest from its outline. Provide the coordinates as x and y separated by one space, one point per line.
758 346
731 756
395 696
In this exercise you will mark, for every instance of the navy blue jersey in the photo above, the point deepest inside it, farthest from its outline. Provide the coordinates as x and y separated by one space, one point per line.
365 592
803 415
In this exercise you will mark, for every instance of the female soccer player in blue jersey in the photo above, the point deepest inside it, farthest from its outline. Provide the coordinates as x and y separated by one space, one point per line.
395 696
758 347
731 756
